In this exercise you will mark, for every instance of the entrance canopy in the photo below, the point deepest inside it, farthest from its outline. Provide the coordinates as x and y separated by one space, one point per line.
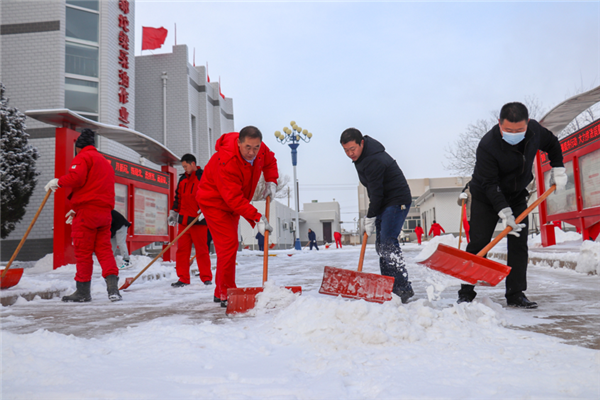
560 116
136 141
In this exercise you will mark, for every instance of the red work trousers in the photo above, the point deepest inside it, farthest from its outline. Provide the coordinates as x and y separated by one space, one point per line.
419 238
223 227
197 234
91 234
338 243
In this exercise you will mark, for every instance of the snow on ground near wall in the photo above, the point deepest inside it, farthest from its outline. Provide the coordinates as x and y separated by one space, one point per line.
295 347
588 260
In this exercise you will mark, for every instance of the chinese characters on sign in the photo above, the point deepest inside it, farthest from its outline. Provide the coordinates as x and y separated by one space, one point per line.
123 63
577 140
137 172
151 211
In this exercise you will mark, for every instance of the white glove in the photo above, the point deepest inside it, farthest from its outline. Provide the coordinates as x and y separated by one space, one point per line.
201 216
69 216
370 225
52 185
558 176
270 189
463 196
263 225
509 220
173 217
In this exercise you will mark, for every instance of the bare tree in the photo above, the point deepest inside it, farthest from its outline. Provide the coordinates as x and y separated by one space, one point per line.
282 190
461 154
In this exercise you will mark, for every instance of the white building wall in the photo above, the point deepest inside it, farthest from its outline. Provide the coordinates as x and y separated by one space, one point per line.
314 214
280 219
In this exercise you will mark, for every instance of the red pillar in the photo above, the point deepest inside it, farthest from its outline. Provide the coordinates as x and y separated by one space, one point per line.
170 254
63 156
547 230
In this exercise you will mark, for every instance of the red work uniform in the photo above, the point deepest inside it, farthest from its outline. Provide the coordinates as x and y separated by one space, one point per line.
338 239
93 197
436 229
419 233
185 204
227 186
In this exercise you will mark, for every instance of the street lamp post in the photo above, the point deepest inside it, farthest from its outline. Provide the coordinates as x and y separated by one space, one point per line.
293 137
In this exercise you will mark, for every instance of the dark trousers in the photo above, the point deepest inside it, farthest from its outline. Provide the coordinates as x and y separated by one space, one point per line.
313 243
391 261
483 222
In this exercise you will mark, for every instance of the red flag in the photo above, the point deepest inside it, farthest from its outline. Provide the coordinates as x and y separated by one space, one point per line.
153 38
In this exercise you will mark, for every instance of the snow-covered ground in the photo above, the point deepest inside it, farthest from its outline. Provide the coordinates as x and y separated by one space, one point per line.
161 342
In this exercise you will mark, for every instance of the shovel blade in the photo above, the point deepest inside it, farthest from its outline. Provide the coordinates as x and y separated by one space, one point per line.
240 300
128 282
356 285
12 277
466 266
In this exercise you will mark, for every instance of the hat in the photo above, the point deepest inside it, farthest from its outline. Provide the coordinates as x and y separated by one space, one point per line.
85 139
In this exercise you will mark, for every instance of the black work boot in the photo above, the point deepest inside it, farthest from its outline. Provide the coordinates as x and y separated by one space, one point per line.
81 295
179 284
112 287
404 294
520 301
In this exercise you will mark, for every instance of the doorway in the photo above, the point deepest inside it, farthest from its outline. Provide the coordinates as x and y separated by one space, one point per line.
327 232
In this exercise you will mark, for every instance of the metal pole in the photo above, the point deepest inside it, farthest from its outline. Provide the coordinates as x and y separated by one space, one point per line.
164 78
294 146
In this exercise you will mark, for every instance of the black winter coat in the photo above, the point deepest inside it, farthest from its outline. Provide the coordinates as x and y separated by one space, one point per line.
503 171
384 180
118 221
312 236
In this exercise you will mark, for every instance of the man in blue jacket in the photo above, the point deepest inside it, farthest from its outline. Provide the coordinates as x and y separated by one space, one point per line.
503 169
312 239
389 202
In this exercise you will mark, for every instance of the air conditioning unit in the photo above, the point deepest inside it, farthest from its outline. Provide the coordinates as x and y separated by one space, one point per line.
285 225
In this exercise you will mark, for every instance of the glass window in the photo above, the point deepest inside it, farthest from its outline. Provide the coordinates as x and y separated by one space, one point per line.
150 213
81 95
589 167
564 201
412 225
82 25
91 4
81 59
121 199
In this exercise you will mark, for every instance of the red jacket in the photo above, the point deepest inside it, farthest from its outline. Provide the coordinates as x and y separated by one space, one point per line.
229 181
92 178
185 196
337 235
436 228
418 231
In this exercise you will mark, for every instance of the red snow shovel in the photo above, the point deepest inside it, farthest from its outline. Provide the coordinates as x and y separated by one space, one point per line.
357 285
10 279
129 281
475 269
240 300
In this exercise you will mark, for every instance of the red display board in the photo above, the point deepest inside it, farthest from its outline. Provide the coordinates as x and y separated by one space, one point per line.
579 204
143 195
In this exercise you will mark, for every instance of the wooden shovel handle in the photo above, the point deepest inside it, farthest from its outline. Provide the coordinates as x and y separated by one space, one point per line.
35 217
164 251
266 243
520 218
362 252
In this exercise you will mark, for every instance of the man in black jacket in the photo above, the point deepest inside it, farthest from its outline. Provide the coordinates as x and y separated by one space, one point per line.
389 202
503 169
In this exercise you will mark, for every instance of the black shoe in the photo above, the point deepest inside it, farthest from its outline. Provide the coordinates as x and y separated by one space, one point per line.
179 284
208 283
224 303
81 295
216 299
405 294
112 287
521 301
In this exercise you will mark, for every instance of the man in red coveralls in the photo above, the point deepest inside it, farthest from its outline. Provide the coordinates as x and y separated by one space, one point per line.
436 229
226 188
419 233
185 209
93 197
338 239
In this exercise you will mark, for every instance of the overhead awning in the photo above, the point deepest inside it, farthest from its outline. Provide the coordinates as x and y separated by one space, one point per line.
142 144
560 116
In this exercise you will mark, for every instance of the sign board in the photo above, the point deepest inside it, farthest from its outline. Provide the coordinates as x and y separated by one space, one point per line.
138 172
151 211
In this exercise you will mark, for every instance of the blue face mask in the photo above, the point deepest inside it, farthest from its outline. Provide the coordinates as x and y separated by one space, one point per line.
513 138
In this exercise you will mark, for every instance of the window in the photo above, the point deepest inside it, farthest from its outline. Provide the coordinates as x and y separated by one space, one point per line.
81 95
194 136
91 4
82 25
81 59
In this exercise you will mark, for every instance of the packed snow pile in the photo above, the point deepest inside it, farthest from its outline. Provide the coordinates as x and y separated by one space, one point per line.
432 245
560 236
338 323
272 297
588 261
